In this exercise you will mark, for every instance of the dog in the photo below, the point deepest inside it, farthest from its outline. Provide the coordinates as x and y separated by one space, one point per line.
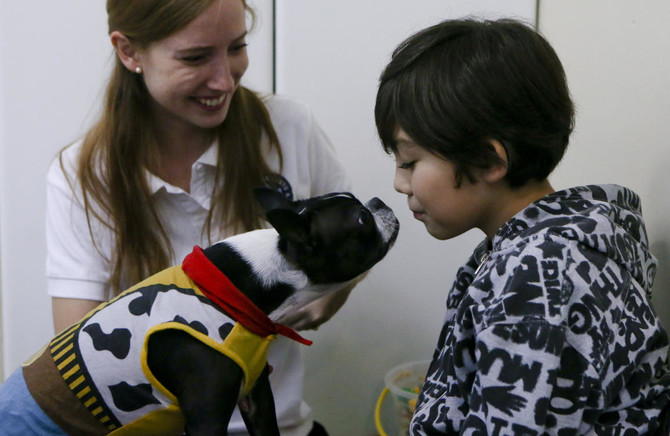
177 352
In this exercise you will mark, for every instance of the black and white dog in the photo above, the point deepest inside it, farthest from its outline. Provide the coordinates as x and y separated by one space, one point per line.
178 351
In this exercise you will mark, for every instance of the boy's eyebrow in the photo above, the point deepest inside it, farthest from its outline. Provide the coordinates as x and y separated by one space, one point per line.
406 142
401 137
242 36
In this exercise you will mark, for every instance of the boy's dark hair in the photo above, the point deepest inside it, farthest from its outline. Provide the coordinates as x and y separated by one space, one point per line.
455 86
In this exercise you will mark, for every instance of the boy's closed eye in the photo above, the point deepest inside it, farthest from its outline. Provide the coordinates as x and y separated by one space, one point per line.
405 165
238 47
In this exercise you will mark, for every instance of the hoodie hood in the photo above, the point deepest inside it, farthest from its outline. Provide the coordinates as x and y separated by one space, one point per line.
605 218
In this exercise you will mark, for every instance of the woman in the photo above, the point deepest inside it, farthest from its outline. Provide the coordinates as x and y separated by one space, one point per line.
171 163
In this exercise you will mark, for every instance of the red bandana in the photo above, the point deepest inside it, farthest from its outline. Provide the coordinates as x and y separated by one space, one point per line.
218 288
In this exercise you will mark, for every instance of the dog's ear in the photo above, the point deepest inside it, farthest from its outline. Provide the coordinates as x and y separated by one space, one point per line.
271 199
291 226
282 215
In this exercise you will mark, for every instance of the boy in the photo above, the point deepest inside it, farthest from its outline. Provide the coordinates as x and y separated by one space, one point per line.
549 329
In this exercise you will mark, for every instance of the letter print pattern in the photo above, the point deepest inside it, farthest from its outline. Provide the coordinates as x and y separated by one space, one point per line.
555 334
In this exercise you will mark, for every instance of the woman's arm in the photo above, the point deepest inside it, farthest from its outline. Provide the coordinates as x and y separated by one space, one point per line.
77 270
67 311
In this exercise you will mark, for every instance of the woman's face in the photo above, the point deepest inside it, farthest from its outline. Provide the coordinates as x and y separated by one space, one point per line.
193 74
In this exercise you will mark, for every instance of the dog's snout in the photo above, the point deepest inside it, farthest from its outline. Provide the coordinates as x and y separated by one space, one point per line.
387 223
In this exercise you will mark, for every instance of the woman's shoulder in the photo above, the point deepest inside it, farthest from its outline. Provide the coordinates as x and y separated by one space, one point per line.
280 101
287 110
65 162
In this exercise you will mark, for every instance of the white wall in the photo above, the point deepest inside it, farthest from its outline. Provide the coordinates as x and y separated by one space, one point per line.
616 57
57 54
259 76
2 159
615 51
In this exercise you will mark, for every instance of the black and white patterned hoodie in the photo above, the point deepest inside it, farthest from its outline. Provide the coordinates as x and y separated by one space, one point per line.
549 330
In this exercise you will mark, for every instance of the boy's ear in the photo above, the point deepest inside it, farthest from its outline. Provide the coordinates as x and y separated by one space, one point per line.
497 171
125 50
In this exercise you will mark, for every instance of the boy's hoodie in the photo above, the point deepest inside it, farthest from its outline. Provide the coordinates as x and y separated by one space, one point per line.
549 327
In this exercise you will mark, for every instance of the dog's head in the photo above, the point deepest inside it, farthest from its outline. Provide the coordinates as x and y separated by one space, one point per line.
332 238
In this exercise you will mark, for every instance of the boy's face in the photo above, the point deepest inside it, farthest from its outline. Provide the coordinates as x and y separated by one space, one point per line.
429 181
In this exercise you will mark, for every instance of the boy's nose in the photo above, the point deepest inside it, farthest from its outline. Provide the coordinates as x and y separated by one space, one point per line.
401 182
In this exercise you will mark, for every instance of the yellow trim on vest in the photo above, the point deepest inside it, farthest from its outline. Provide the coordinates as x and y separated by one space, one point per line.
245 348
173 275
163 422
248 350
35 356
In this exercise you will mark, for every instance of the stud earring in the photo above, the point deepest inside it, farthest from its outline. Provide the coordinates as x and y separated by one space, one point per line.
138 70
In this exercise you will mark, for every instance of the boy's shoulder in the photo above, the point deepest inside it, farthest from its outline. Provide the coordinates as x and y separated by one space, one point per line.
594 217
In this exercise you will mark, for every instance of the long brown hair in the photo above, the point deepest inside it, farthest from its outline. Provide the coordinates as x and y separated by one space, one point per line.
120 145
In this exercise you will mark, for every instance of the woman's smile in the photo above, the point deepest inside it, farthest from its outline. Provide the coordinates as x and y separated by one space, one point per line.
212 104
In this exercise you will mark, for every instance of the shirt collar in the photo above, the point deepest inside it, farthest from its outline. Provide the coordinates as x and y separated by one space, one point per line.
208 158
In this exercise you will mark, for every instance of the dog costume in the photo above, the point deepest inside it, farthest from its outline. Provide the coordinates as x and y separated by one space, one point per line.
71 378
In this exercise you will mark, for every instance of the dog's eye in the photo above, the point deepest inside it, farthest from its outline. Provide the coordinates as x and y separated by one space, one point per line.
364 217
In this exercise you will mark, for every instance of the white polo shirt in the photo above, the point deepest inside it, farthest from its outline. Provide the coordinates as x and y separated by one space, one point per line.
78 268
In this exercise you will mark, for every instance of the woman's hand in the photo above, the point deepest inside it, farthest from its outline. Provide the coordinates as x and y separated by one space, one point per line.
318 312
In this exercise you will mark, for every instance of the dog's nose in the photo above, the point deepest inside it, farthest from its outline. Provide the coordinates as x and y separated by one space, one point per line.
376 204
